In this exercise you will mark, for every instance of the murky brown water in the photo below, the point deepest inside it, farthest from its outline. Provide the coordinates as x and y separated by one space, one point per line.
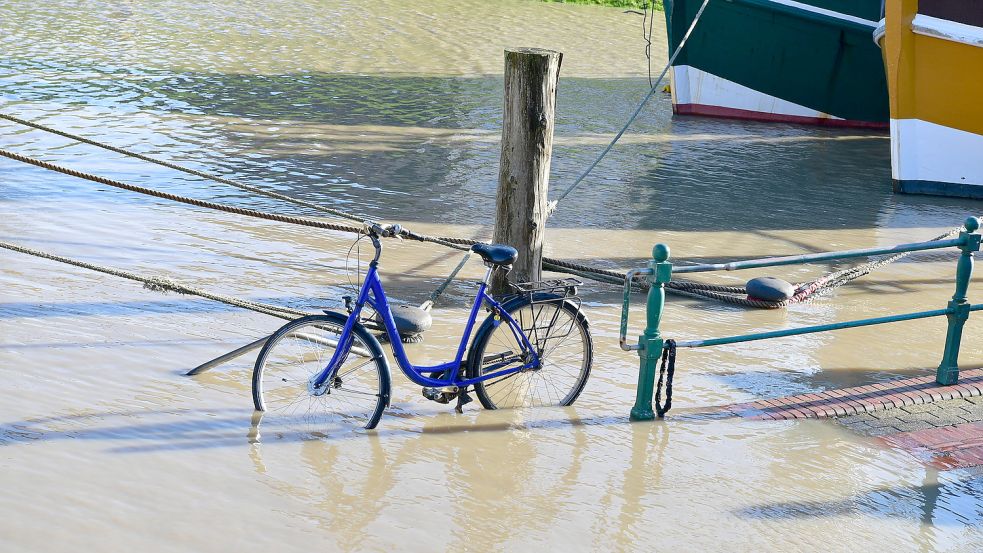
393 109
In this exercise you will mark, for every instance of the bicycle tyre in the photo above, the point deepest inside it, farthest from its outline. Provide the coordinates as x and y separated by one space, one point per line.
299 350
562 376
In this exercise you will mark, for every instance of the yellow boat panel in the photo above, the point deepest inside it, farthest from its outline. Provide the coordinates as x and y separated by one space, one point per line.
929 78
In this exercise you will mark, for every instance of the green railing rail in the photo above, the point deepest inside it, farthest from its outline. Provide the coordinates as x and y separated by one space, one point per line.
660 271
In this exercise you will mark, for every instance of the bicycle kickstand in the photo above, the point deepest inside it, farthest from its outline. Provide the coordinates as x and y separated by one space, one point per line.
462 399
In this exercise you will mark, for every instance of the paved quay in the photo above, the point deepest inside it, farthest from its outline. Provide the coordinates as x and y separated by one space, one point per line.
944 434
873 398
913 418
940 425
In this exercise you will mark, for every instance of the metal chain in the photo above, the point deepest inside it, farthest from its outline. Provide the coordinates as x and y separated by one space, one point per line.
668 360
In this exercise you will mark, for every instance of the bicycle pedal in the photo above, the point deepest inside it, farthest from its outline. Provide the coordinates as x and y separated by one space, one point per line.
462 399
434 394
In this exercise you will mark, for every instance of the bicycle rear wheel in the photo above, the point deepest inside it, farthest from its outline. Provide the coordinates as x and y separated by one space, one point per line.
295 354
560 334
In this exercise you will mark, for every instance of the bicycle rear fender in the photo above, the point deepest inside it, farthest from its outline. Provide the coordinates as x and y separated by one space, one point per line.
516 301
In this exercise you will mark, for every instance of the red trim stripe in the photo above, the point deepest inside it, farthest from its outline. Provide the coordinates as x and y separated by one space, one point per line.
734 113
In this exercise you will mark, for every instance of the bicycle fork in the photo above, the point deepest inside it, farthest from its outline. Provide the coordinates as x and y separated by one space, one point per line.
322 383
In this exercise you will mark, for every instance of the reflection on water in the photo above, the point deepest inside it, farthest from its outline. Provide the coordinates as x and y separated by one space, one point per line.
498 472
392 110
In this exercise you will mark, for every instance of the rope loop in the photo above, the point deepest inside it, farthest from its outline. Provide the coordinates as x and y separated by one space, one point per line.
162 285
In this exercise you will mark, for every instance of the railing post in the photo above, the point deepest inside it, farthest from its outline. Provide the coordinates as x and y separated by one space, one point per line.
948 372
650 342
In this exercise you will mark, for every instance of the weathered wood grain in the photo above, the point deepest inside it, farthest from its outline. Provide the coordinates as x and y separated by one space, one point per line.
527 145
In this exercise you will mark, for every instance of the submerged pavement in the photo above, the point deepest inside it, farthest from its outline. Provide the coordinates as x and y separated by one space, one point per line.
945 434
942 426
869 399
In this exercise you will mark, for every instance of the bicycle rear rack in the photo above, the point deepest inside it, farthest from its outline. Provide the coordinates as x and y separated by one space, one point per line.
549 292
567 285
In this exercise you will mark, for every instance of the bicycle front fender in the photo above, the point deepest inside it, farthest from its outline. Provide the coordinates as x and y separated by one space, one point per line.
359 330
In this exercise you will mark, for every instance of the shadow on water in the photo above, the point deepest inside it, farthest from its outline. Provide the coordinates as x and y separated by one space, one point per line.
207 429
935 503
370 463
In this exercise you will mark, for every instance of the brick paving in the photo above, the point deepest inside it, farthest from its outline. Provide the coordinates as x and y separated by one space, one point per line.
914 418
940 425
947 447
893 394
944 434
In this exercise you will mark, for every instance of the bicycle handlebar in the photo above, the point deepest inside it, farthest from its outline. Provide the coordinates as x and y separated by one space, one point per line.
376 231
390 231
386 231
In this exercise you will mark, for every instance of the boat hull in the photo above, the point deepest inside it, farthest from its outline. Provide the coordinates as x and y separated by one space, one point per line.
779 60
935 71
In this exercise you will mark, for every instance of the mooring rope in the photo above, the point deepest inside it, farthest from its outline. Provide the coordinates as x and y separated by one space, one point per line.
164 284
178 198
450 242
737 295
551 206
730 294
455 243
176 167
647 24
839 278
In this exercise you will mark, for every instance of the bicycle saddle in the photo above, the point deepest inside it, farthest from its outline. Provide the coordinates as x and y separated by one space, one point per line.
496 254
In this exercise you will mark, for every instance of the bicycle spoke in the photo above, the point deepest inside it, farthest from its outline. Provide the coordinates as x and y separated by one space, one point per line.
295 356
562 344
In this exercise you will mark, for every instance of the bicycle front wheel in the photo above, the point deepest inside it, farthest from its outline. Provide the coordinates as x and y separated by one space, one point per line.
559 333
283 378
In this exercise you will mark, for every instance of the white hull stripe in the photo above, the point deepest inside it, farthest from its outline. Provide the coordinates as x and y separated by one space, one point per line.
947 30
824 11
879 32
923 151
694 86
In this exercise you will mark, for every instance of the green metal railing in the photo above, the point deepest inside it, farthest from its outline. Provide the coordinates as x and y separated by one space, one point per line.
660 271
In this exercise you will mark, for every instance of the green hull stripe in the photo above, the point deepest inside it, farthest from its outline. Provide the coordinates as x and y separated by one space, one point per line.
934 188
814 60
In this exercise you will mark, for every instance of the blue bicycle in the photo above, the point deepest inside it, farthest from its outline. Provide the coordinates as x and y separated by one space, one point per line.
533 349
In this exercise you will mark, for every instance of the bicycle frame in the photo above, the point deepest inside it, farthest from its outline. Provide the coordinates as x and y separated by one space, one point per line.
373 294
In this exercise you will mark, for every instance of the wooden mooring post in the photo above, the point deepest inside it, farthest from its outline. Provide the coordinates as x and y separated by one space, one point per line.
527 145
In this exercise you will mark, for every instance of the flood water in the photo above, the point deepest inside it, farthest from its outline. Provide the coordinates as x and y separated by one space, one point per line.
393 110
